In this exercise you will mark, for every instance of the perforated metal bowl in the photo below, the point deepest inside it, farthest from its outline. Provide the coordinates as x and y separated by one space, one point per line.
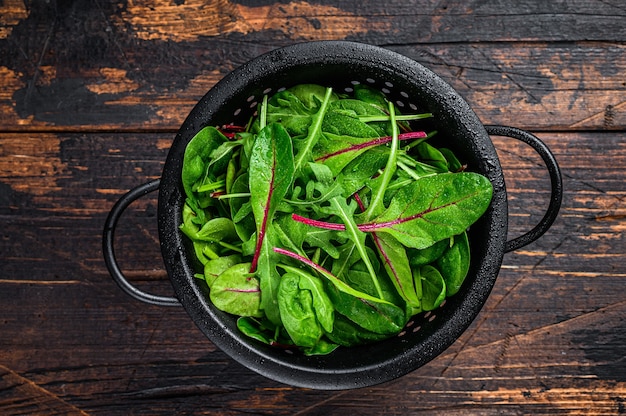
413 88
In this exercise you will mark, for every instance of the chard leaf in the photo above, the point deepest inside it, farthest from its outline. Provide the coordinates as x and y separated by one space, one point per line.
396 263
235 291
338 283
214 268
270 176
338 151
434 208
346 213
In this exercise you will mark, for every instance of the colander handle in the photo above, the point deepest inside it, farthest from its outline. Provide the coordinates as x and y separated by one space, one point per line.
556 193
109 253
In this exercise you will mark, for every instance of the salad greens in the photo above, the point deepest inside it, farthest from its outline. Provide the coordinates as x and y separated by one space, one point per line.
329 220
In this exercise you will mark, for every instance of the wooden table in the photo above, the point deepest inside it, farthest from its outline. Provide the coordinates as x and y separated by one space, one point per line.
91 95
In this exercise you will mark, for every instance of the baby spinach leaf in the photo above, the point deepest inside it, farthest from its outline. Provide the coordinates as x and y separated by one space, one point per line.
348 333
376 315
217 229
323 347
268 275
198 155
296 312
264 331
338 283
433 287
270 176
323 307
358 172
237 292
453 163
431 156
312 96
454 263
427 255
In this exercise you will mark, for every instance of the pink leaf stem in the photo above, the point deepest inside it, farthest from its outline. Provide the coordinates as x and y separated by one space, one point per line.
372 143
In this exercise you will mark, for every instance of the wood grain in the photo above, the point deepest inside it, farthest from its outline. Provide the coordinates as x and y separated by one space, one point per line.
91 96
112 70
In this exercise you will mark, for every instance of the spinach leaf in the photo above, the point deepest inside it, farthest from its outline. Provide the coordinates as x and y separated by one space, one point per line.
433 287
347 333
322 306
454 263
374 315
296 312
198 155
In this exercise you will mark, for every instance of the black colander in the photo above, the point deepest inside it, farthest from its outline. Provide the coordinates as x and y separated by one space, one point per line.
413 88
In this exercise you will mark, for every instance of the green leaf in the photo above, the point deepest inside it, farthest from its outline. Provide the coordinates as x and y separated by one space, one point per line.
434 208
361 169
454 263
348 334
270 177
431 156
421 257
198 155
377 316
214 268
237 292
396 263
217 229
296 312
268 275
305 146
317 237
433 287
323 307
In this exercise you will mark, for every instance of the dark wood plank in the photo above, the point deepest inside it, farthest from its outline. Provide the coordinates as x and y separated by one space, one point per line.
141 66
